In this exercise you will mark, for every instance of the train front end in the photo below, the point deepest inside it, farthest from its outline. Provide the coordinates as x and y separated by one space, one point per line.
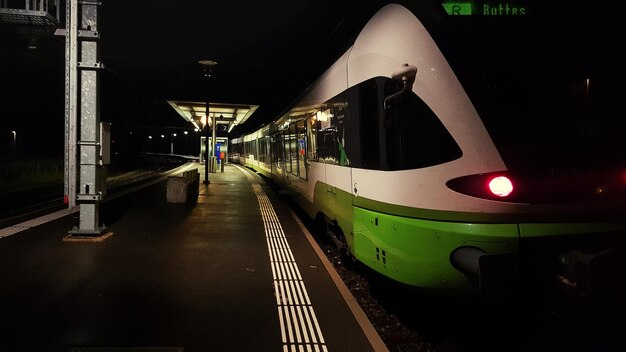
503 165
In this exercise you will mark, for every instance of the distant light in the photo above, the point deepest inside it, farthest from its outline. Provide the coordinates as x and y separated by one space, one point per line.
185 132
501 186
162 136
197 129
207 63
149 137
174 134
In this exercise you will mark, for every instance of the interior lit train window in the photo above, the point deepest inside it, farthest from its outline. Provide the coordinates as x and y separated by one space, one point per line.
278 150
311 132
286 151
327 147
301 145
293 150
339 121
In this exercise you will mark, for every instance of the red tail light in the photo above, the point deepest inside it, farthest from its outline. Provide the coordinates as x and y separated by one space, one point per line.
541 188
495 186
501 186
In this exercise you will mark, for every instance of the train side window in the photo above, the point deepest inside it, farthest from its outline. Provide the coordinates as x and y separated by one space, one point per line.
414 135
339 120
311 131
328 147
255 149
261 149
266 139
278 150
301 144
368 107
293 149
287 153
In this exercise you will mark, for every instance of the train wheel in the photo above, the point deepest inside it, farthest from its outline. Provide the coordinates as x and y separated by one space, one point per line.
321 227
346 254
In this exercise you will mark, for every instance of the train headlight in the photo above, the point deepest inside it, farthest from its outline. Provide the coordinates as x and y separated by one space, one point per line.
501 186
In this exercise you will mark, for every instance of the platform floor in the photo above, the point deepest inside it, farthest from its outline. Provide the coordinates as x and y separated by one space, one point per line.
232 272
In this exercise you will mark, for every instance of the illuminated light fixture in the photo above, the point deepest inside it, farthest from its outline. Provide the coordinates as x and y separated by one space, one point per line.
149 137
162 136
185 132
501 186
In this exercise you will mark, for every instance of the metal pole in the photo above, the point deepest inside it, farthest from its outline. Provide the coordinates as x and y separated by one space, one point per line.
71 96
92 141
213 142
208 64
206 132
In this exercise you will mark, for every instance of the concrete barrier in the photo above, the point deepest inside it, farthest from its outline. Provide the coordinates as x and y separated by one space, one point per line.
183 188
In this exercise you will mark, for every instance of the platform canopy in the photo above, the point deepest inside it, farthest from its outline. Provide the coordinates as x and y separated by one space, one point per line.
227 115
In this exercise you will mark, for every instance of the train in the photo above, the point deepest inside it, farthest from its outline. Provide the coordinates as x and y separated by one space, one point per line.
436 162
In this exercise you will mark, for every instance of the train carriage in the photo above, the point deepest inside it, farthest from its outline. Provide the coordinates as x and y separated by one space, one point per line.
419 177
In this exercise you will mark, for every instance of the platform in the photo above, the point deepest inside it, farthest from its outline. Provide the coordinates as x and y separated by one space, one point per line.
233 272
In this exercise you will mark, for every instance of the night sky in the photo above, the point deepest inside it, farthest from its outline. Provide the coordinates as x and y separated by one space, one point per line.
267 54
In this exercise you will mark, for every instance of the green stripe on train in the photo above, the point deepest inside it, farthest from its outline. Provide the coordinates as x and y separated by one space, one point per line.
417 252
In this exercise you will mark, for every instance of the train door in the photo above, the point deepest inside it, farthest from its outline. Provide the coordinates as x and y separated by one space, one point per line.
277 157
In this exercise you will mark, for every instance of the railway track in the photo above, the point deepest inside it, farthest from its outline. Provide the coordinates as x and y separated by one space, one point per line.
19 206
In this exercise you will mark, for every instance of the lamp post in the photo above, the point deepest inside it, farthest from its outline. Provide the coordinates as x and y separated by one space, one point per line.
14 141
172 143
185 132
207 66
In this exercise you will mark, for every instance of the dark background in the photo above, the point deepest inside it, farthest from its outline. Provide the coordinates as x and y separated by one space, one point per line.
268 53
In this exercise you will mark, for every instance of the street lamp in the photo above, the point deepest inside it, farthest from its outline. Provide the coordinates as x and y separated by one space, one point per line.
185 132
207 66
172 143
14 141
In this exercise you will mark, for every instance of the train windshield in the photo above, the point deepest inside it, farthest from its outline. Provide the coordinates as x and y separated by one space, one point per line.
548 80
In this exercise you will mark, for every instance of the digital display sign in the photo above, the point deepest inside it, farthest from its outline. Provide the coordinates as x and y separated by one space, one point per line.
474 8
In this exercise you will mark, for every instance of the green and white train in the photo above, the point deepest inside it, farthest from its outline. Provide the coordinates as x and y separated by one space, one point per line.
469 156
